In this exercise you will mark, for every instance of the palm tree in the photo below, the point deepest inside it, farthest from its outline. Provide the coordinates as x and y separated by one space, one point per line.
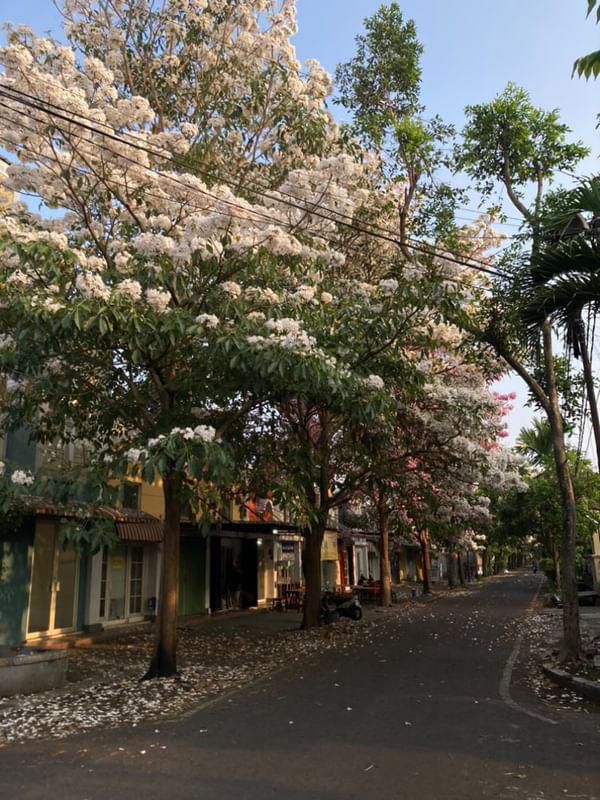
565 278
588 66
535 443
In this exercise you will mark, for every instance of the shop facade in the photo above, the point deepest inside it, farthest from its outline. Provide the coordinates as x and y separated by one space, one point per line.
249 562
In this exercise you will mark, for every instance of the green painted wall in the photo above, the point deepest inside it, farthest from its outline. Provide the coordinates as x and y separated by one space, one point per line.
15 548
192 576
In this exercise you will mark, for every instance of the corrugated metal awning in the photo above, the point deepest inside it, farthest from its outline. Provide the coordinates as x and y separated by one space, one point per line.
148 530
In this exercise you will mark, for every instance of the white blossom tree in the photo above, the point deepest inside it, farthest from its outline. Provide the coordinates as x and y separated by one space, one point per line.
194 196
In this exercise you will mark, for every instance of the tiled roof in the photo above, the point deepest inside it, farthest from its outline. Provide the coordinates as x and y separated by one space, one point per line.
131 525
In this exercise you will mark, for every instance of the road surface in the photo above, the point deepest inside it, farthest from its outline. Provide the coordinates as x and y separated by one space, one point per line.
427 710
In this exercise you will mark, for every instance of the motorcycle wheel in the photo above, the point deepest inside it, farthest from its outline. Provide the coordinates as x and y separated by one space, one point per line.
356 613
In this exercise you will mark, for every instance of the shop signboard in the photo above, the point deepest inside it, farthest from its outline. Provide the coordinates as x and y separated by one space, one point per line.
329 550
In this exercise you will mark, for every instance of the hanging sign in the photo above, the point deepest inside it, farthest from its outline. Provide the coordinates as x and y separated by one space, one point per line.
329 550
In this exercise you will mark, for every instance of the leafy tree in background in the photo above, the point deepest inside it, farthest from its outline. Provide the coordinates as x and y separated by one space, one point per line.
381 88
537 513
312 450
511 142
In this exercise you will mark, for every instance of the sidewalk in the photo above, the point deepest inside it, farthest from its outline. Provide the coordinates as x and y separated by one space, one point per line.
564 685
582 678
216 655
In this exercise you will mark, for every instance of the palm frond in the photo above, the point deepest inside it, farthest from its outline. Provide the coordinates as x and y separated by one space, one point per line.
580 256
592 4
535 443
587 66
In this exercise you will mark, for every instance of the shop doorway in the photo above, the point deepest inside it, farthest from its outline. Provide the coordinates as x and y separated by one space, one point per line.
54 584
233 573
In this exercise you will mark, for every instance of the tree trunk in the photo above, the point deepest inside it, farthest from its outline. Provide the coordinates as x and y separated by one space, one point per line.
313 539
385 597
164 659
461 572
451 569
589 384
572 639
556 562
424 542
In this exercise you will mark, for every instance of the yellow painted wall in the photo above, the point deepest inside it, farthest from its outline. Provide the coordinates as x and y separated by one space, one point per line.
151 499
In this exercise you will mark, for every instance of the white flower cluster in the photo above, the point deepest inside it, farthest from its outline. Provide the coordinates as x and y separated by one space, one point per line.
201 433
19 278
6 341
157 300
91 286
280 243
13 386
304 294
151 245
388 286
260 295
22 478
53 306
207 320
284 326
133 455
129 288
298 340
233 289
374 382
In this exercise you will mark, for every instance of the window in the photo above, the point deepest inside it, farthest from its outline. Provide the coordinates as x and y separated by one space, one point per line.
20 450
136 574
131 495
121 582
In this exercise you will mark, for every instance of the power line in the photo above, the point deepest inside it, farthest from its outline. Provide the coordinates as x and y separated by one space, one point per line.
388 235
284 69
313 209
479 212
133 135
187 204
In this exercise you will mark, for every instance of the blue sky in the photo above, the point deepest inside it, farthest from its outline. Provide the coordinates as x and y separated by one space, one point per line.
472 49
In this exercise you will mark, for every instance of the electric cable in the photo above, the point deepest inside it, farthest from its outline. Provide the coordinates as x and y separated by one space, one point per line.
313 209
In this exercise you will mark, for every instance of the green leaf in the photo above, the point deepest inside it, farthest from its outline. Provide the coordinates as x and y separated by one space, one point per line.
148 472
195 467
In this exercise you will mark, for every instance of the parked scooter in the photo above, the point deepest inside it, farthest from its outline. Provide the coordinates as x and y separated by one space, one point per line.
333 608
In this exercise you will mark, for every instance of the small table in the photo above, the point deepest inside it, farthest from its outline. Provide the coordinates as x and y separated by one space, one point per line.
367 594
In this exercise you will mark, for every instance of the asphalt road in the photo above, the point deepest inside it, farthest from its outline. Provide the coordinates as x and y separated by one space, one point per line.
422 711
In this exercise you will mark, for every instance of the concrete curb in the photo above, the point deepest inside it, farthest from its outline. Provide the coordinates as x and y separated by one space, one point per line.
585 687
